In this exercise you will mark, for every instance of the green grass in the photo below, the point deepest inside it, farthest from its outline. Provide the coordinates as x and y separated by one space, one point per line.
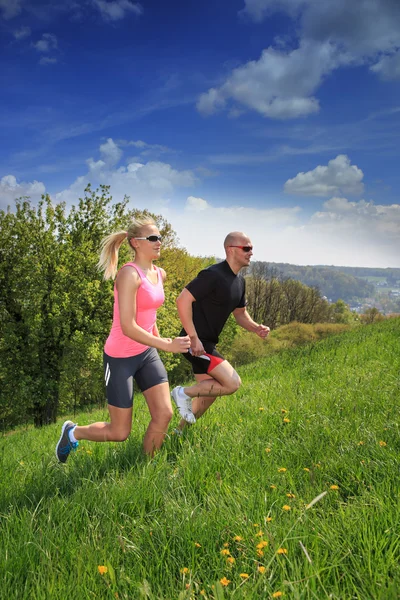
146 520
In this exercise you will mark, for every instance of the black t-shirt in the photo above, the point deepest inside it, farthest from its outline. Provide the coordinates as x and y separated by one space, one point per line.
218 291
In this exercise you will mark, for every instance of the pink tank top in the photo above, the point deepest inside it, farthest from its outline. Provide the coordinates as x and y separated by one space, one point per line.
149 297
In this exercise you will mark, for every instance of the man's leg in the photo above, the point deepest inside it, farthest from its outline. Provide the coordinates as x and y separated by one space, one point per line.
223 380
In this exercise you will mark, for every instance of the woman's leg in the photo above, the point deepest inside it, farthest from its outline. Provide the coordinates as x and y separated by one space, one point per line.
117 430
160 407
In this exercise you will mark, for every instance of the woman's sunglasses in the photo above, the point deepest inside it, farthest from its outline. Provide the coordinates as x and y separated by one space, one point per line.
150 238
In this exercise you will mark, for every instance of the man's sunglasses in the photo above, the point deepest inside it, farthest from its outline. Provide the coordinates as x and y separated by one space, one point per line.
244 248
150 238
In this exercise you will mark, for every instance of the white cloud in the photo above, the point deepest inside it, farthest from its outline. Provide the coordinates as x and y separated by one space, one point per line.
363 28
111 152
10 190
196 204
115 11
280 85
22 33
388 67
258 10
47 43
145 148
149 185
342 233
47 60
338 177
202 227
10 8
362 215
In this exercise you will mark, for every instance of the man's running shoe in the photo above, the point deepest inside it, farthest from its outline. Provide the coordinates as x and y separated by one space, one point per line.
184 406
64 445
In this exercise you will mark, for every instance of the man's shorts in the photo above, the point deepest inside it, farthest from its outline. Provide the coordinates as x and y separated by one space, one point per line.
206 362
146 368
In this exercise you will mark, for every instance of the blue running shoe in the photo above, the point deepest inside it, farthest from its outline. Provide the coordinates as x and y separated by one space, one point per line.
64 445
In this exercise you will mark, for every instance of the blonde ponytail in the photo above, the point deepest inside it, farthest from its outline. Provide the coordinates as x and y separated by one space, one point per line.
108 261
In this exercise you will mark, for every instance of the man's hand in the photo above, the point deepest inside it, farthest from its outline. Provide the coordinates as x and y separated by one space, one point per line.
262 331
196 346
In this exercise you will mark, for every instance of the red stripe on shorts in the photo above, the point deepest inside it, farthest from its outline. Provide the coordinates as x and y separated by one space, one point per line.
214 361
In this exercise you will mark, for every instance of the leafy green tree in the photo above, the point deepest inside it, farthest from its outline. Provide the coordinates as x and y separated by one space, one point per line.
51 289
341 313
371 315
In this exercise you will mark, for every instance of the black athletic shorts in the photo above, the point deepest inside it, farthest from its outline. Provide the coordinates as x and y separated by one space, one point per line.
146 368
206 362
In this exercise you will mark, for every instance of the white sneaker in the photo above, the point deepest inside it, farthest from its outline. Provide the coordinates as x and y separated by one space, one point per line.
184 406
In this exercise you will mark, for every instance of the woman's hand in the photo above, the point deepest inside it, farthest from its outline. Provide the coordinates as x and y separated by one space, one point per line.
179 345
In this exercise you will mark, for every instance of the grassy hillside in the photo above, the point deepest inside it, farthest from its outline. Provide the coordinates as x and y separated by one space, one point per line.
222 512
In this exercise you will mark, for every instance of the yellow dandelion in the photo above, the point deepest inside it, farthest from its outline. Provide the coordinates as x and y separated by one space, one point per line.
102 569
226 545
244 575
286 420
306 469
277 594
197 545
382 444
286 507
224 581
237 538
273 487
260 552
225 552
284 411
290 495
202 592
261 408
256 524
231 560
334 487
267 450
184 571
262 545
282 470
259 533
281 551
361 443
268 519
261 569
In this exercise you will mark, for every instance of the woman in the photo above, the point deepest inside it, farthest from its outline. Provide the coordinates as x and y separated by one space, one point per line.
131 347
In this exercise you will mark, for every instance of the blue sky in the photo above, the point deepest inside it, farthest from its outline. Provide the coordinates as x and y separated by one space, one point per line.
277 117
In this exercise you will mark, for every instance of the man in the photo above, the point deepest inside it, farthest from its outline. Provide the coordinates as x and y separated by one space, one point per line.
204 307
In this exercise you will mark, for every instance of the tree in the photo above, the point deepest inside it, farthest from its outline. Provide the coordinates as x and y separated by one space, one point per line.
50 290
